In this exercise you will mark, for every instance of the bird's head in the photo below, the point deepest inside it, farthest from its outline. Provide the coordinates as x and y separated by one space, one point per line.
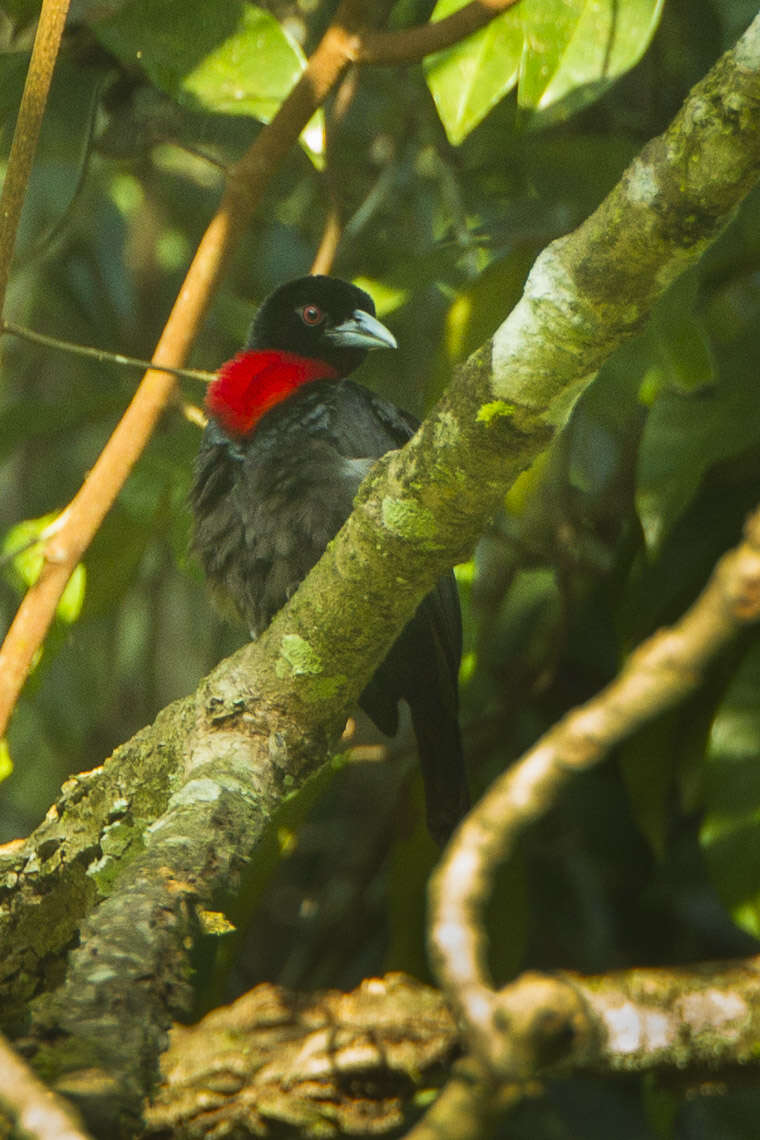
312 328
321 318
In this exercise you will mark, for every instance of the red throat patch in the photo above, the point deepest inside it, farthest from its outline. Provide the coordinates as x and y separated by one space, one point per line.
247 386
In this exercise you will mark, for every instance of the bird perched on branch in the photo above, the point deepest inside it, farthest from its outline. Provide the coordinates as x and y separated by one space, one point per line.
288 442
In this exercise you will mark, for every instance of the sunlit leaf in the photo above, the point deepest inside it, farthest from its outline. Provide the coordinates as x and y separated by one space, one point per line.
467 80
387 297
548 27
72 599
565 54
574 49
6 764
23 549
225 56
681 355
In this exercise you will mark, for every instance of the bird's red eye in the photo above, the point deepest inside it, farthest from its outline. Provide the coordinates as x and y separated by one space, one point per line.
312 315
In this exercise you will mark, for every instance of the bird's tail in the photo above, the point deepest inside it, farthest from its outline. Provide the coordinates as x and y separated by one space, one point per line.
447 796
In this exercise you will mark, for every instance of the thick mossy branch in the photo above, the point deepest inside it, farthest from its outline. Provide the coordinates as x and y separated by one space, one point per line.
175 816
309 1065
275 1058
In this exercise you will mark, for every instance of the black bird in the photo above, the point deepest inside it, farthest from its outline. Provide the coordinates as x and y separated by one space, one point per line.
288 442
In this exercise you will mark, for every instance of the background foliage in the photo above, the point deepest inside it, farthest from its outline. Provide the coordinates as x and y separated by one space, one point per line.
448 179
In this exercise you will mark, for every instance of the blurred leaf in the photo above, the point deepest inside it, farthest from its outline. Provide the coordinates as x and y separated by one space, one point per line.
23 546
72 599
575 49
387 297
225 56
548 27
32 419
6 764
648 765
663 764
683 437
697 418
565 54
479 308
682 358
661 1107
509 918
467 80
114 557
13 68
730 831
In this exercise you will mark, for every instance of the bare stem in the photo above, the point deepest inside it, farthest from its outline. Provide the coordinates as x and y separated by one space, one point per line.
410 45
102 355
39 76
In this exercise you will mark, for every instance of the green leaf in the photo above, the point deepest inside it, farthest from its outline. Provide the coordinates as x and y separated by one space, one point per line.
679 353
479 307
548 28
72 599
575 49
467 80
6 764
730 832
223 56
22 545
683 438
648 763
565 54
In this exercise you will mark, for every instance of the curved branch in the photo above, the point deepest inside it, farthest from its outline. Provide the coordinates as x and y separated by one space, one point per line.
661 672
411 45
304 1054
640 238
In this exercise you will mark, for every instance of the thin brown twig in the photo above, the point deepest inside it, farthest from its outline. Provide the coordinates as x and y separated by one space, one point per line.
47 40
410 45
102 355
662 671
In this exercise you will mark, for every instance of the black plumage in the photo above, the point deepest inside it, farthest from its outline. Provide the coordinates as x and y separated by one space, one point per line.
267 500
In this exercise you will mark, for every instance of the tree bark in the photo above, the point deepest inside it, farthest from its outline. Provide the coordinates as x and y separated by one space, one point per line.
102 904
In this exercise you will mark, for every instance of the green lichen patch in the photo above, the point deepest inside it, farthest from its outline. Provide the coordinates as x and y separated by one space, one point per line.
446 430
409 520
323 689
495 410
297 657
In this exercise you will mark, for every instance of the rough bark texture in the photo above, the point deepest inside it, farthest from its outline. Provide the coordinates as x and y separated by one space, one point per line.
358 1064
101 905
277 1063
